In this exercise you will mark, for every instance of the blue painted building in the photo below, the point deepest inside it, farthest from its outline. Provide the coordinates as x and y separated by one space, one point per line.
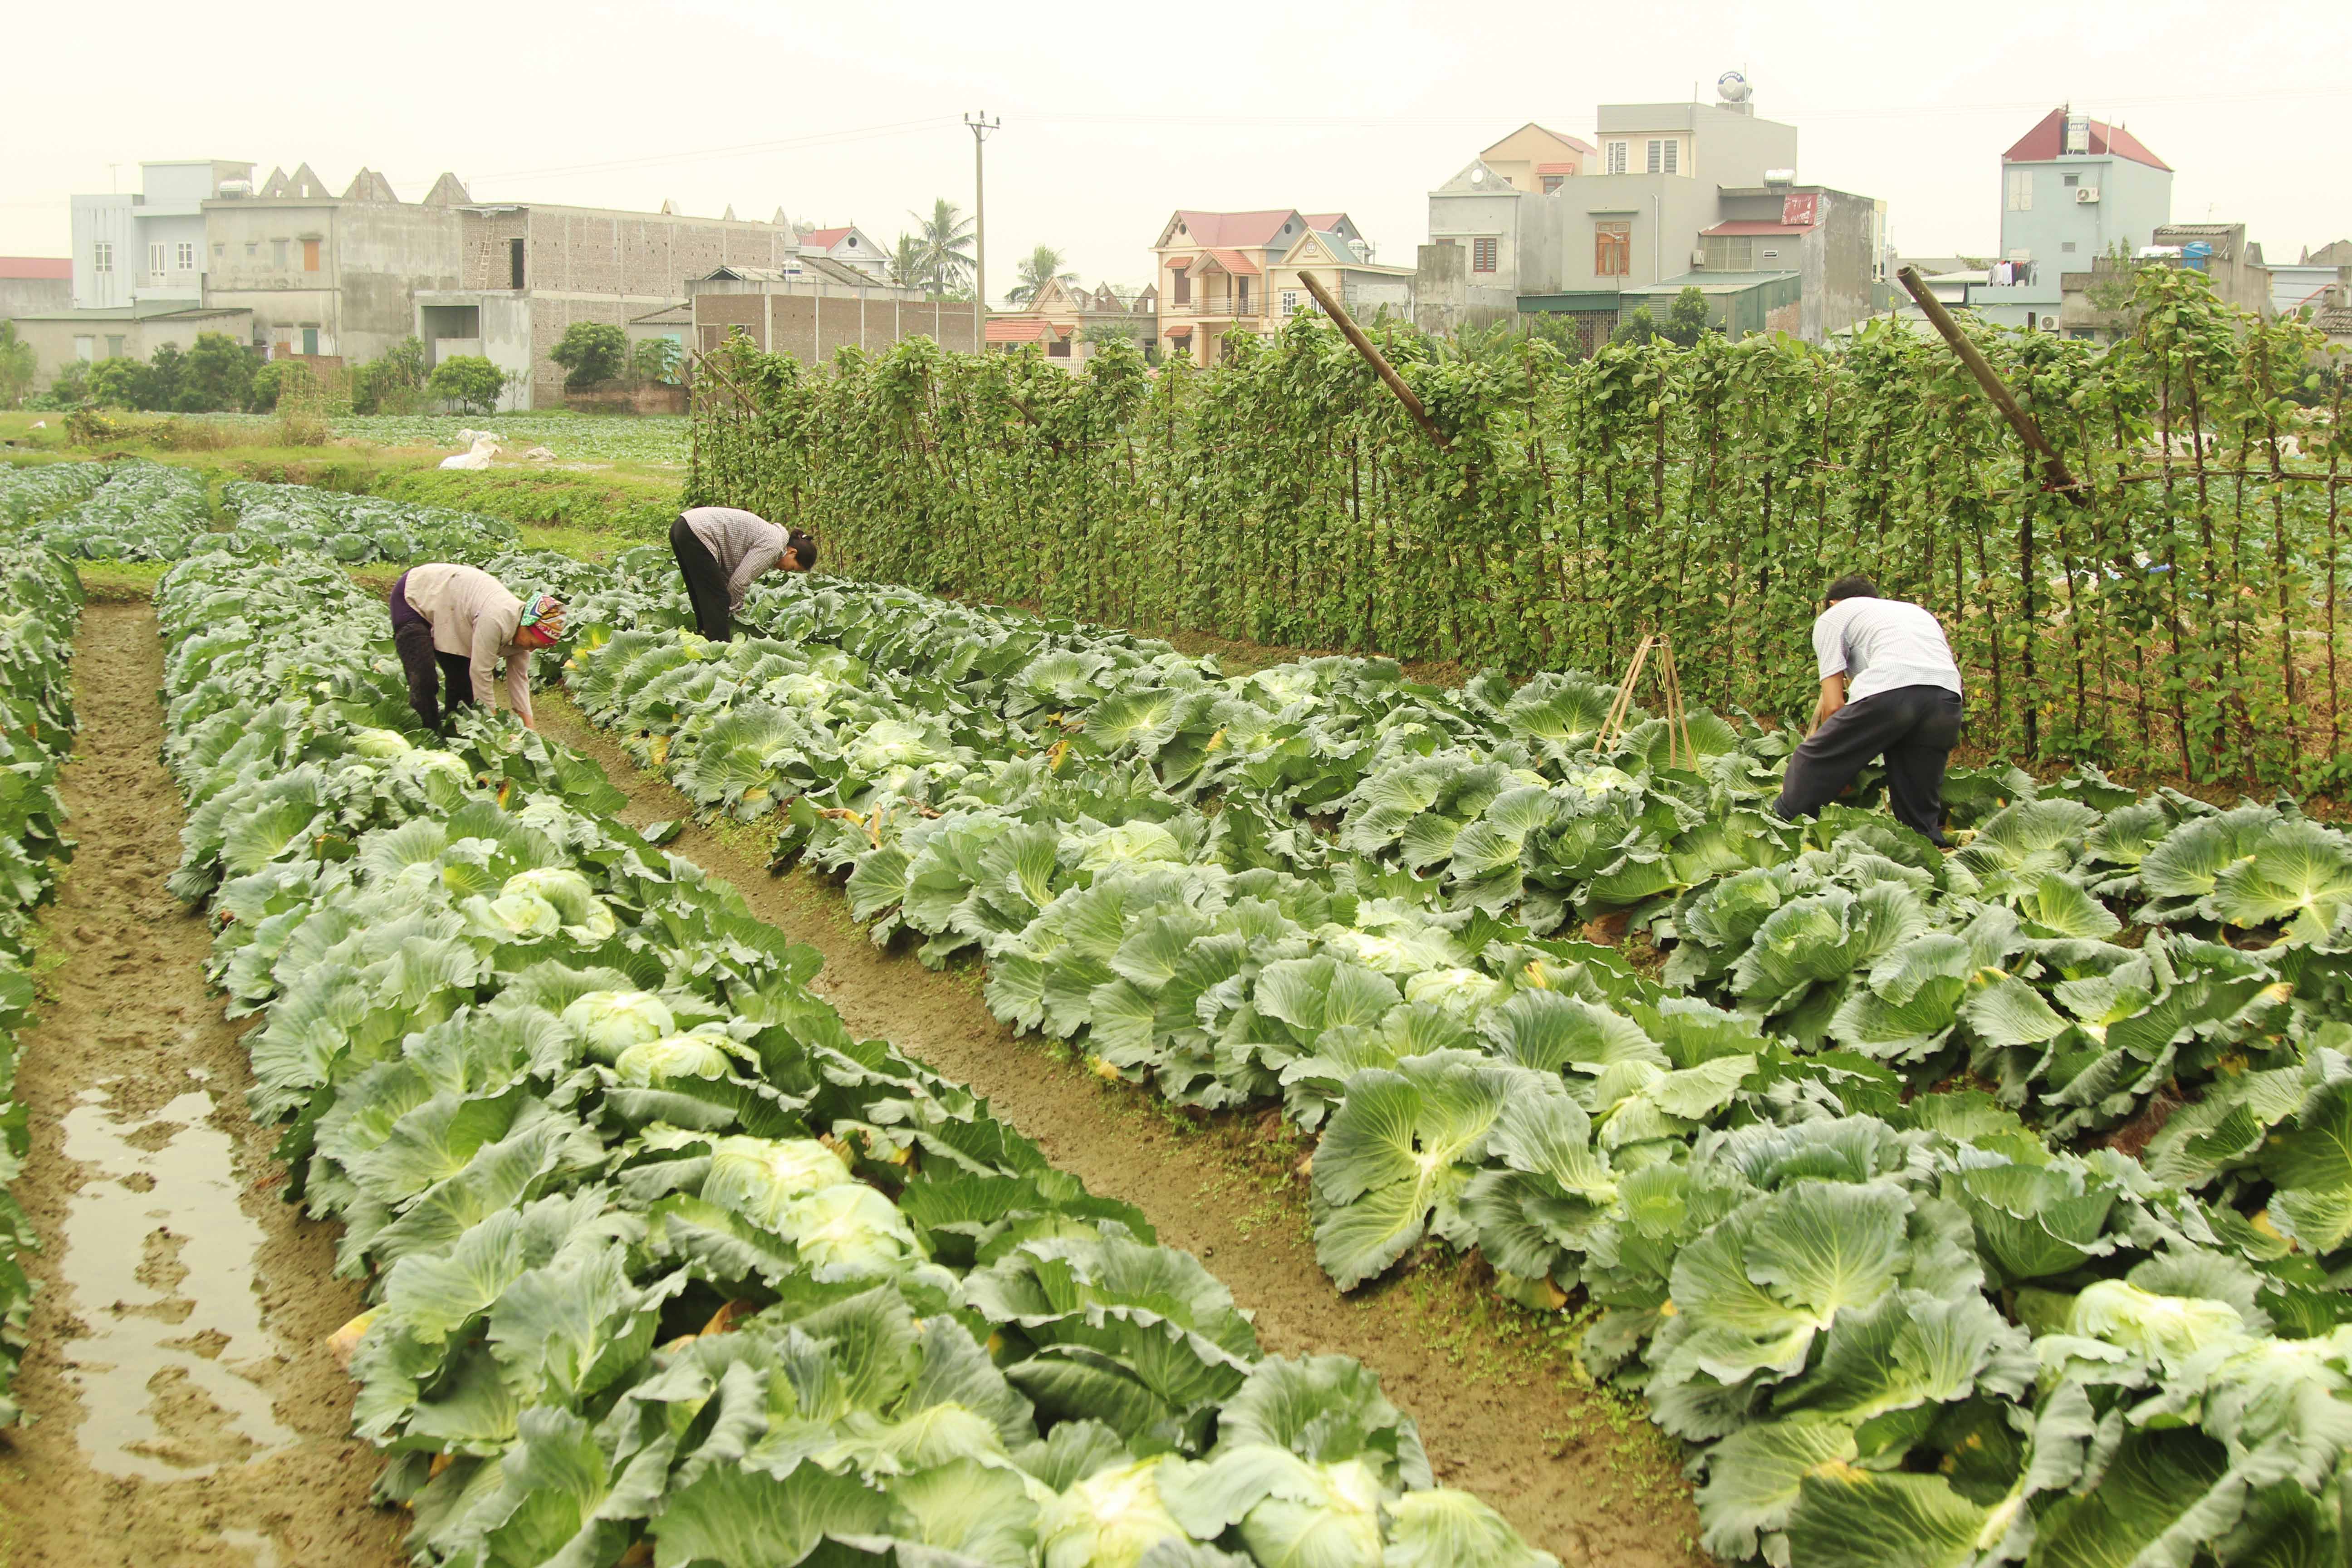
2071 189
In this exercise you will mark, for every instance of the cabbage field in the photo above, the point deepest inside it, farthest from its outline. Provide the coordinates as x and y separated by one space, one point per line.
1989 1207
1953 1209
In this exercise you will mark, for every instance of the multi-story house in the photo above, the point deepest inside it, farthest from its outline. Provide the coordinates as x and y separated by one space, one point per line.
1540 161
2072 189
1674 196
1226 272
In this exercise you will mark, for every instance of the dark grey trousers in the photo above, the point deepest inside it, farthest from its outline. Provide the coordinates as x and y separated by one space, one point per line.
706 584
1913 727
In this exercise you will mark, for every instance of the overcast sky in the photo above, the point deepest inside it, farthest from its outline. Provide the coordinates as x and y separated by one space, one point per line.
1114 115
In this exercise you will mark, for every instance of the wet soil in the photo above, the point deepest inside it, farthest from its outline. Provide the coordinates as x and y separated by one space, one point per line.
184 1408
1502 1406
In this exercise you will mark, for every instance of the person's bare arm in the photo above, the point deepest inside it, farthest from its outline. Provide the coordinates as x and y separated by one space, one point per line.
1832 699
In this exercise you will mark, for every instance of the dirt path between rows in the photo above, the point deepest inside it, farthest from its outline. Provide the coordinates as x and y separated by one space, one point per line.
1581 1473
184 1410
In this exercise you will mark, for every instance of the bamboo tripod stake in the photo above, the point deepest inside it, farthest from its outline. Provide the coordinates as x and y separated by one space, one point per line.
1373 356
1670 686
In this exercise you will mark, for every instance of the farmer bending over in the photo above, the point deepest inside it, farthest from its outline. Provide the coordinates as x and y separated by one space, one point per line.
455 623
1889 688
719 550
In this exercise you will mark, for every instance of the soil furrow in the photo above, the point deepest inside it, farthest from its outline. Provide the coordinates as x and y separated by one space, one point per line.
1503 1409
184 1408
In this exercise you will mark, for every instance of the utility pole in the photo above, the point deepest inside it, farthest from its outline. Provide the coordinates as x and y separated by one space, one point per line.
980 125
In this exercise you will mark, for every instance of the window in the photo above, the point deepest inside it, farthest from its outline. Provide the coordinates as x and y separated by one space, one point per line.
252 248
278 254
2074 180
219 250
2066 244
156 258
311 340
1183 288
2021 190
309 256
1666 156
114 346
186 256
1241 288
1552 183
1481 256
86 348
1057 348
1612 249
1617 151
1730 253
1290 302
101 255
514 263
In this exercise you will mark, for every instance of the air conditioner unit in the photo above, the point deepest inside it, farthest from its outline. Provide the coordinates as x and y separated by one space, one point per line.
2086 195
1698 257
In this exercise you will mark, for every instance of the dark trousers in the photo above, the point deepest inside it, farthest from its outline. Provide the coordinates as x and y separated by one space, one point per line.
428 670
1913 727
706 584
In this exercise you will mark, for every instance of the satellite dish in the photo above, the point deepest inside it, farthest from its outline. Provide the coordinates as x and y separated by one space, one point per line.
1732 87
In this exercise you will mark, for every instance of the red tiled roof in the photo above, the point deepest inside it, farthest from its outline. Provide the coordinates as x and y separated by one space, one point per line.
1756 226
1324 220
1234 261
1258 228
2042 142
1557 168
824 238
16 267
1179 329
1016 330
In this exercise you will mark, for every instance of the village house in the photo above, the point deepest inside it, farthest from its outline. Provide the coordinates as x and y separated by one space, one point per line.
1226 272
1067 322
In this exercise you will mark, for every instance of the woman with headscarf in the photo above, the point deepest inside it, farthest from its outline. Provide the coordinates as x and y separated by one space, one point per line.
721 550
453 624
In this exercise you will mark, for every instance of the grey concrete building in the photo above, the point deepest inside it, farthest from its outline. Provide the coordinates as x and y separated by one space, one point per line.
1680 194
820 306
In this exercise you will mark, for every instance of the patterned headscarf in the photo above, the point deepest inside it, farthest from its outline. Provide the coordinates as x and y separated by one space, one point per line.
545 611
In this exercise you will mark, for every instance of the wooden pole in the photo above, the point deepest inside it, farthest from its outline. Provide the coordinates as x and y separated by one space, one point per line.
1387 372
2055 475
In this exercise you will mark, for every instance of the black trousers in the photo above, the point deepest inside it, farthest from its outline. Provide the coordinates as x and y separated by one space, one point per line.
1913 727
428 670
706 584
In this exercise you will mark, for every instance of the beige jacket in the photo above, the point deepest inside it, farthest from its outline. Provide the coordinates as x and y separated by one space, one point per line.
743 543
473 615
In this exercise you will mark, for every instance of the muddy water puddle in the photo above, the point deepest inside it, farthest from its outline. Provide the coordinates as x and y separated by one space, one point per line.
161 1256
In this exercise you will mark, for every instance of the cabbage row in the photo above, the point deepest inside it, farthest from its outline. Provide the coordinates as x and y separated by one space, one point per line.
663 1262
1829 1187
113 511
32 492
357 529
40 601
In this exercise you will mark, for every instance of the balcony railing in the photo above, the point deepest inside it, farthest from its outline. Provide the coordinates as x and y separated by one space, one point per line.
1250 309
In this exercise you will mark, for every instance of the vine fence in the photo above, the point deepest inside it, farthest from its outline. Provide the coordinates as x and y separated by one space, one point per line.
2179 613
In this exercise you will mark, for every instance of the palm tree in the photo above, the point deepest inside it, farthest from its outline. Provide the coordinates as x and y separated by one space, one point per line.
909 268
1039 267
945 239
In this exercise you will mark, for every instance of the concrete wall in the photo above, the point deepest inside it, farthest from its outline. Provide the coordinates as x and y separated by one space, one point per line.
1523 251
812 328
109 219
25 296
57 342
373 259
